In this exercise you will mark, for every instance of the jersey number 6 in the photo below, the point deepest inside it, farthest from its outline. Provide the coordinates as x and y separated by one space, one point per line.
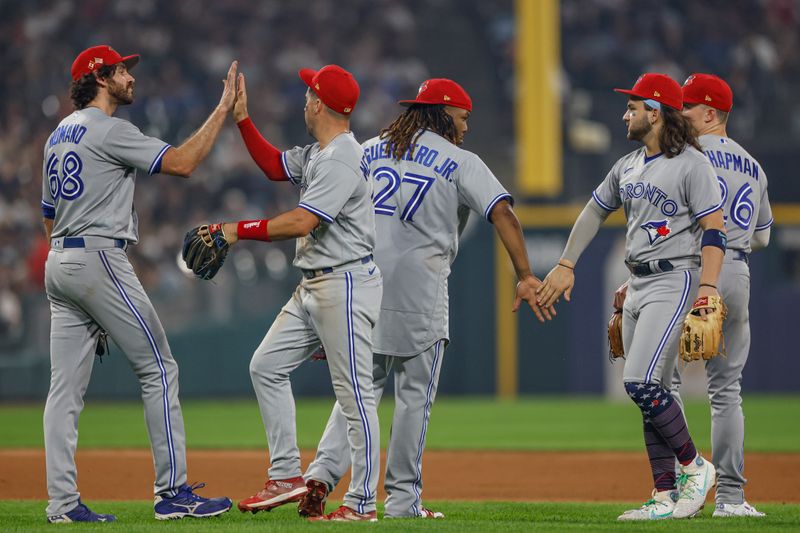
65 182
741 206
421 183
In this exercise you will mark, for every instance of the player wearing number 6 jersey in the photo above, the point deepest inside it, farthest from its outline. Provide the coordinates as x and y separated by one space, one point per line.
425 187
90 164
707 100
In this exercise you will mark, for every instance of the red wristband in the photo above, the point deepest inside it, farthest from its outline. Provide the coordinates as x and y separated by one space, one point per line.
256 230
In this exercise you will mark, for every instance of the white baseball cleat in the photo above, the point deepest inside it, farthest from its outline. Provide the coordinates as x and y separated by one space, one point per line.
725 510
697 479
659 507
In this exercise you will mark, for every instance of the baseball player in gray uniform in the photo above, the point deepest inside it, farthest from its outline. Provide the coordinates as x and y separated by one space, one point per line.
336 304
90 165
425 188
672 204
707 101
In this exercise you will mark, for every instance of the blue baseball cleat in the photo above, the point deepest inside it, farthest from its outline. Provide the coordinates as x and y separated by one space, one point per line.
80 513
187 503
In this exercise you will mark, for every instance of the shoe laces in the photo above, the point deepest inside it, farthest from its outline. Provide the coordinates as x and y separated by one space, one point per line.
186 493
318 491
688 483
81 512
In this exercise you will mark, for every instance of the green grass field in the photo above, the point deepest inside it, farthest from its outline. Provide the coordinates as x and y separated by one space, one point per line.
460 517
570 423
456 424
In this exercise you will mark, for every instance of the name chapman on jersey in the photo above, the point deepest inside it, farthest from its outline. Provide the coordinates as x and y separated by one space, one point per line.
729 161
421 154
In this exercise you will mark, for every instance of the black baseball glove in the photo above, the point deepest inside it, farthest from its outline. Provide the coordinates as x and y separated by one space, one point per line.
204 250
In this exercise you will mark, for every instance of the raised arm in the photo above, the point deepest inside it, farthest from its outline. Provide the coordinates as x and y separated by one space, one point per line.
184 159
266 156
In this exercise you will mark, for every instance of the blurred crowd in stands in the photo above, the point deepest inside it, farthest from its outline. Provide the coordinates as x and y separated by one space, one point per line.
390 46
753 44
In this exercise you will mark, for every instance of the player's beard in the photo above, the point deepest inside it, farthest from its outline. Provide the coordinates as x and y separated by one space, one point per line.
122 95
637 132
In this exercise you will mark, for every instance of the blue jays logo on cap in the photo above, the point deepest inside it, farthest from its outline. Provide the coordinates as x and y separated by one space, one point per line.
656 229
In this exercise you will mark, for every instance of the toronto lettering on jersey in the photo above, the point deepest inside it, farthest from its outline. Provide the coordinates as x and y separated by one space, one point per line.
68 133
734 162
421 154
653 194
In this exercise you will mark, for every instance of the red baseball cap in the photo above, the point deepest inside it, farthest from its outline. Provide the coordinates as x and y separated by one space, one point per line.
336 87
709 90
658 87
95 57
441 91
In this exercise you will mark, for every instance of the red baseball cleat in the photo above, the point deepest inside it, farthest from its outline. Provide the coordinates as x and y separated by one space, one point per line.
275 493
345 514
312 505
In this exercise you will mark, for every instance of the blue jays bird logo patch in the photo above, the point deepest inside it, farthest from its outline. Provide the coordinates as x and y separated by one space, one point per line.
656 229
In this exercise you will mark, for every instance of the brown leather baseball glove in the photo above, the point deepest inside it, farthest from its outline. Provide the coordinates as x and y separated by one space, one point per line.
615 348
702 339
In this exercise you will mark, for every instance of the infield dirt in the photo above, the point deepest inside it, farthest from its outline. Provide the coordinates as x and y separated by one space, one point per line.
448 475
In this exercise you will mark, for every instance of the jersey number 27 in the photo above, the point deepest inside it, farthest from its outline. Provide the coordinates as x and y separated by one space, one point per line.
422 184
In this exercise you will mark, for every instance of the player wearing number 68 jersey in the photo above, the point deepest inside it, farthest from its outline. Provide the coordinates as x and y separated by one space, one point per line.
91 162
707 101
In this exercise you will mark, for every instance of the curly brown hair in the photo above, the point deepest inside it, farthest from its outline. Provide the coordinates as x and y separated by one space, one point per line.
404 131
677 132
84 89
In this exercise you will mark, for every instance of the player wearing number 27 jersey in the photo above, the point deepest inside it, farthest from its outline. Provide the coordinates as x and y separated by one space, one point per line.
425 188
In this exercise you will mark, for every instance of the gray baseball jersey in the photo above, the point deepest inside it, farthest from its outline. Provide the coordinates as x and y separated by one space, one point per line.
90 166
747 210
663 199
90 162
744 190
336 305
333 188
421 204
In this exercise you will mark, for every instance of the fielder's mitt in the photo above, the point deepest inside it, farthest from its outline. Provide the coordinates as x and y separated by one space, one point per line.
204 251
615 348
703 338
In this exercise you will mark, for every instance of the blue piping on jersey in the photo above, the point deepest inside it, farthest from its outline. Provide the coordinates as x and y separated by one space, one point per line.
286 168
652 157
357 391
426 418
155 167
687 285
159 360
48 210
765 225
504 196
600 203
701 214
322 214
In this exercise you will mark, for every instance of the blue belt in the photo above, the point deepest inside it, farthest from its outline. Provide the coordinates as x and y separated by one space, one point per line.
643 269
78 242
739 255
311 274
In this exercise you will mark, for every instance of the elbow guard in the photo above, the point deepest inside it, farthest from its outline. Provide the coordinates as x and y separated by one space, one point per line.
714 237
